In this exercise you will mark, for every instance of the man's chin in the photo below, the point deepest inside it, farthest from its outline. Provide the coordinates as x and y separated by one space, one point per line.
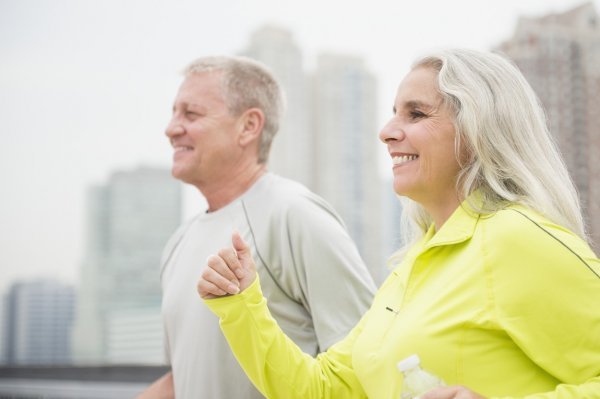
180 174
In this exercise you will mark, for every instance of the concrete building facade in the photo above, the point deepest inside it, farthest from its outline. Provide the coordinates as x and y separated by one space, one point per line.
559 54
37 322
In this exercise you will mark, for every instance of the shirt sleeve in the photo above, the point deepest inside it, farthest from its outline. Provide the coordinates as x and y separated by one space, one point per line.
547 291
337 288
276 366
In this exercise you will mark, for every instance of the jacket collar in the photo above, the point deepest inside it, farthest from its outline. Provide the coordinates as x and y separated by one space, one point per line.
459 227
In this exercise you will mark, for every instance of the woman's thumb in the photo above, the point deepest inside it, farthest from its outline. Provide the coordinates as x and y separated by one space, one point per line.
243 250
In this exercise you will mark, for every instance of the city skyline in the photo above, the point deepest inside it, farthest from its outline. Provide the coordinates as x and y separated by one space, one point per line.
80 100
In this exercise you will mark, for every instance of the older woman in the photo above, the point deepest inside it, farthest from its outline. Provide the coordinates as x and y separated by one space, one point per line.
496 290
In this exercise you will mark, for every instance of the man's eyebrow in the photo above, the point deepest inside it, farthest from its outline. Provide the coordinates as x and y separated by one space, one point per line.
178 105
186 105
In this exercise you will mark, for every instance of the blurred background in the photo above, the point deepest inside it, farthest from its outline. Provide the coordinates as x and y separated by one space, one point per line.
87 203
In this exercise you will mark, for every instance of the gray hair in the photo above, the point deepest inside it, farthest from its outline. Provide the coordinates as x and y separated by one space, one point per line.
245 84
501 123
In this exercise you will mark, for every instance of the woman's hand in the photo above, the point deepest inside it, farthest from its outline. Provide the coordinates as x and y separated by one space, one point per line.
453 392
229 272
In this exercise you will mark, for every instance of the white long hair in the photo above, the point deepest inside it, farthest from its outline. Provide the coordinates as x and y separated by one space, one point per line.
501 123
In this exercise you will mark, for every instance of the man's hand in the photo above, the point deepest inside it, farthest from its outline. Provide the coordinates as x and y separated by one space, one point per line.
453 392
229 272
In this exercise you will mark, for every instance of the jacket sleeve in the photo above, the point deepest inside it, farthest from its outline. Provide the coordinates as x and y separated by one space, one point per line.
276 366
547 294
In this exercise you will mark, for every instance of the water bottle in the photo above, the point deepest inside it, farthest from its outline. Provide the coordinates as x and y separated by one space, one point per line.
416 380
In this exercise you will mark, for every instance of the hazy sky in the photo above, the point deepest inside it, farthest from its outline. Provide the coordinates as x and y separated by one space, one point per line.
86 87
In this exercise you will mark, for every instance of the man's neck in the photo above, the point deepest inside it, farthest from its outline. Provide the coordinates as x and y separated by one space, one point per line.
227 190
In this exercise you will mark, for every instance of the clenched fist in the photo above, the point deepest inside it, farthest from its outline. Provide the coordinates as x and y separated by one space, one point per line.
231 271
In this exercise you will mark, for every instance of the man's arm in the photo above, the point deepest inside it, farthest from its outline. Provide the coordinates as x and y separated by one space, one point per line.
160 389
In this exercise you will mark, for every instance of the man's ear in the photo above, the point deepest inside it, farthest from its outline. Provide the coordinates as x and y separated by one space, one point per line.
253 121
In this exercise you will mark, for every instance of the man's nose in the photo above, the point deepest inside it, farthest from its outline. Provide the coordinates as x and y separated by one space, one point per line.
174 128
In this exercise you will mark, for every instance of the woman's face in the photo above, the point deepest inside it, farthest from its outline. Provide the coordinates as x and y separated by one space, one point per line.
420 138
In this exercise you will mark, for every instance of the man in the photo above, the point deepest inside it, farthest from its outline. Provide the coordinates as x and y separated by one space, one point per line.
224 118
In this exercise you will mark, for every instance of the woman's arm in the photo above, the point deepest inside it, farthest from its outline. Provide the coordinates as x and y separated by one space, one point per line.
271 360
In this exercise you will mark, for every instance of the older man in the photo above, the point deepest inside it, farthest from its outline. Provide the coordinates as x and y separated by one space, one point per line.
225 116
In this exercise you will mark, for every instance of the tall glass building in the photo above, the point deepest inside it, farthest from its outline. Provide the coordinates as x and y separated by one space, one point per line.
130 219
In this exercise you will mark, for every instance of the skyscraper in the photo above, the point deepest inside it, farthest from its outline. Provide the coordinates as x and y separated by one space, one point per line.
328 135
344 103
391 240
38 318
559 54
129 221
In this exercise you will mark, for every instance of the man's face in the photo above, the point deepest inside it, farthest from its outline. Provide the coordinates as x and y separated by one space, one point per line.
201 131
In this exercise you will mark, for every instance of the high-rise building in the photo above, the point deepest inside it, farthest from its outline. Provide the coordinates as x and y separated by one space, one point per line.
129 221
38 317
559 54
292 152
132 335
344 103
328 135
3 329
391 240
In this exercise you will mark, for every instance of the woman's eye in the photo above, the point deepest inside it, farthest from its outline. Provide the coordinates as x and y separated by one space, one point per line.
417 115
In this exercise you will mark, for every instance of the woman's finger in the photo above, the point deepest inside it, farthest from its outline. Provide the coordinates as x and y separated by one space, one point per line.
219 265
213 274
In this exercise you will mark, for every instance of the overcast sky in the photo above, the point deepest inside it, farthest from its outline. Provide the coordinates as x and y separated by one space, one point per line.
86 88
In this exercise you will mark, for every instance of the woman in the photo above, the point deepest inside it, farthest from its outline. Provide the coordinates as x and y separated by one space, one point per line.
497 290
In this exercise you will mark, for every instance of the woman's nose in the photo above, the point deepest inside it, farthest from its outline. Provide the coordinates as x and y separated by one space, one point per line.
392 131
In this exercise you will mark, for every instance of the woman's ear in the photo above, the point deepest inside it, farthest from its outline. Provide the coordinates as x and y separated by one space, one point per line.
253 121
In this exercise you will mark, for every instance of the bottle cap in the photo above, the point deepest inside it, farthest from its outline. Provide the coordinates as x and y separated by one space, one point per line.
408 363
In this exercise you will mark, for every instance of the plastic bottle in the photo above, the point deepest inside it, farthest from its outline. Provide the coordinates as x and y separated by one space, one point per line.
416 380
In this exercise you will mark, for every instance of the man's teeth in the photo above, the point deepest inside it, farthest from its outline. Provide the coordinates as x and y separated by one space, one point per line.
180 148
397 160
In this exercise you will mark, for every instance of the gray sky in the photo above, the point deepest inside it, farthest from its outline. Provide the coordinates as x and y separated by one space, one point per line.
86 88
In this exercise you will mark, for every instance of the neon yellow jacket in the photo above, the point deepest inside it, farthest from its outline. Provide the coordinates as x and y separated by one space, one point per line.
506 304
